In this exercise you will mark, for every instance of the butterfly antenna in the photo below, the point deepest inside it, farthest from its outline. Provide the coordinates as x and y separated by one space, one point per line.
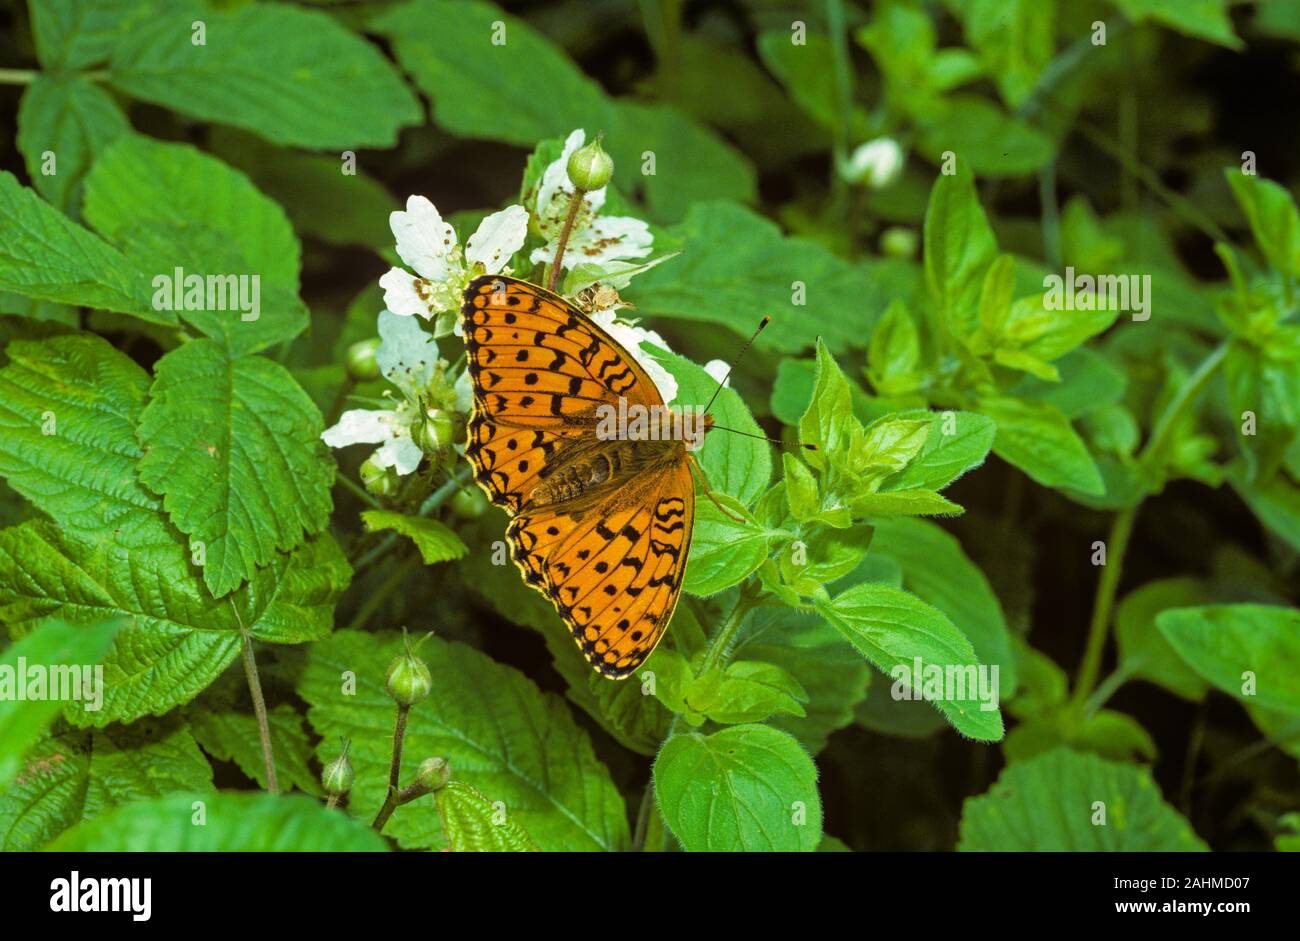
750 434
744 349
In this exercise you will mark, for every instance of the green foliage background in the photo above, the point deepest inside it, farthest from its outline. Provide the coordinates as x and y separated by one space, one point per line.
910 342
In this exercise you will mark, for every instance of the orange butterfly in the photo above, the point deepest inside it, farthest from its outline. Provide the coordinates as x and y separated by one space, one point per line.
602 527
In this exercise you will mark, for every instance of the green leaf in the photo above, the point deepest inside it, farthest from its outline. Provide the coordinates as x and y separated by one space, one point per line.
295 77
1274 219
230 735
499 732
1249 651
724 551
48 257
1200 19
1106 733
468 819
1014 39
72 34
1038 439
71 776
894 354
1276 502
448 48
736 266
959 248
746 691
61 653
170 206
231 823
800 488
73 120
1055 802
833 674
904 503
180 639
734 464
1143 651
956 443
436 541
233 447
893 630
745 788
827 423
984 137
938 571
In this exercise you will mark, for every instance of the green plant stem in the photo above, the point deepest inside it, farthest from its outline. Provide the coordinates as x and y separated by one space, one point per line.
18 76
356 489
394 768
720 643
331 802
380 595
259 703
1186 396
643 814
575 203
1098 630
1106 689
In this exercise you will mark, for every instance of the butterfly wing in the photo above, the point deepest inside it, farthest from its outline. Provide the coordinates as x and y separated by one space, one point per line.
540 369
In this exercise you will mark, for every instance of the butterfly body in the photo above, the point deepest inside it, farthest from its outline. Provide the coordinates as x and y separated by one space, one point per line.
600 524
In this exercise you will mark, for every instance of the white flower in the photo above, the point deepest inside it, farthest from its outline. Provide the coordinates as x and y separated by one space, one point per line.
719 369
594 239
630 338
407 357
442 269
877 163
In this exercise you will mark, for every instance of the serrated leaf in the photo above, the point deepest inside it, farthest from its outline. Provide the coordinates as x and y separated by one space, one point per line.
724 551
827 423
745 788
72 34
736 265
60 652
295 77
893 630
1273 217
498 731
959 247
170 207
1052 804
48 257
469 821
230 735
436 541
1038 439
232 823
1249 651
72 776
233 448
72 119
956 443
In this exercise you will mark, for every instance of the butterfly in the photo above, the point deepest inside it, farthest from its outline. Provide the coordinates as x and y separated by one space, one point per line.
599 525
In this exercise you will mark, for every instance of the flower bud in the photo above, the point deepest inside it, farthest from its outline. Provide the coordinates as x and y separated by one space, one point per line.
337 777
436 432
433 773
589 167
362 364
898 242
877 163
469 503
408 680
381 481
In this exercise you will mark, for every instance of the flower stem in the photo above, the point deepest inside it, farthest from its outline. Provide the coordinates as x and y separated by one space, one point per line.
575 203
1104 601
394 768
259 703
356 490
17 76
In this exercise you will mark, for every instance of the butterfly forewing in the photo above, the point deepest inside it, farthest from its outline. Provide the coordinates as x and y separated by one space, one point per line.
611 560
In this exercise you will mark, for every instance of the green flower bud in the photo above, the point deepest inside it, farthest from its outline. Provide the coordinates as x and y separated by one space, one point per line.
408 680
381 481
436 432
338 775
362 364
433 773
469 503
589 167
898 242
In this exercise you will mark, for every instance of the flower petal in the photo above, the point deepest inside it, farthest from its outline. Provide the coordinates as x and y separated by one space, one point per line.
360 426
498 237
405 294
406 354
719 369
424 241
399 452
604 239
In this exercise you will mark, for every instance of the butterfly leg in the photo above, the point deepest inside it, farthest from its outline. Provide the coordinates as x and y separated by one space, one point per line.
704 482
